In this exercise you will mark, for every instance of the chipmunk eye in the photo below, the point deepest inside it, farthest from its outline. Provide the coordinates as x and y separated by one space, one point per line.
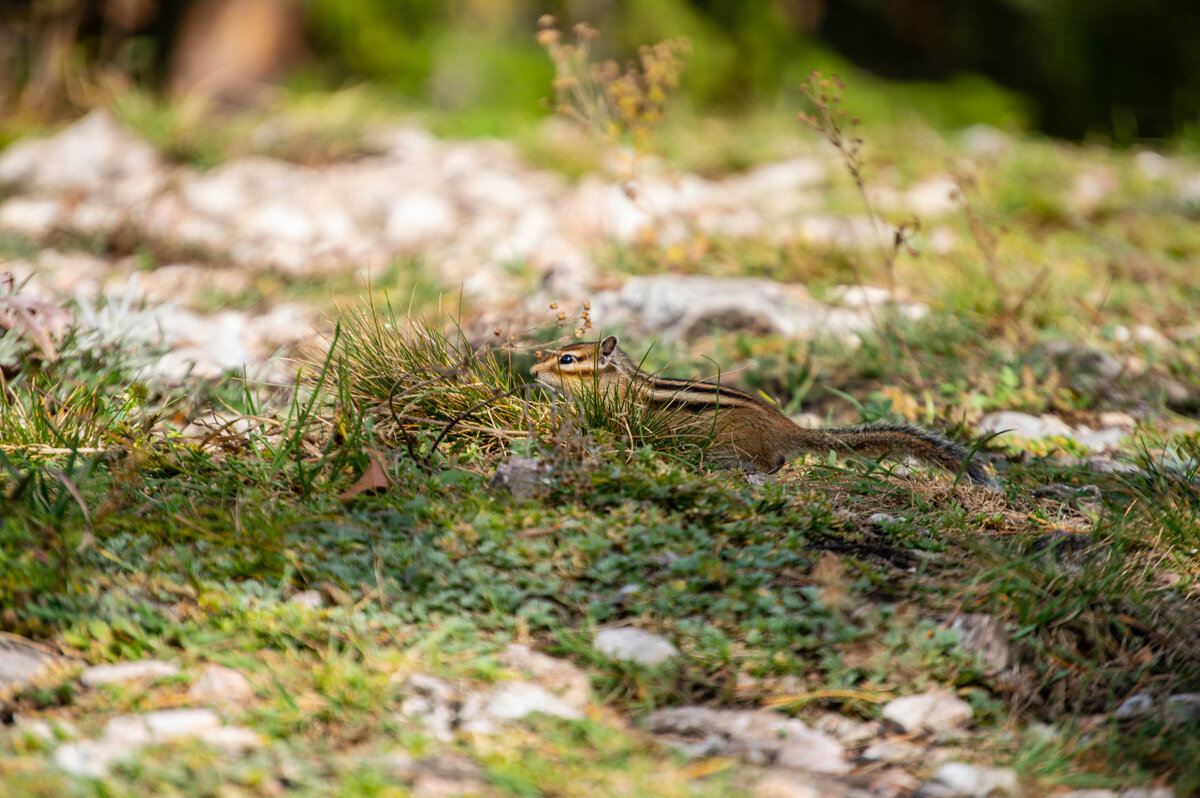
566 360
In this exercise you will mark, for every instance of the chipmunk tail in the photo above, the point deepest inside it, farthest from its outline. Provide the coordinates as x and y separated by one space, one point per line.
899 441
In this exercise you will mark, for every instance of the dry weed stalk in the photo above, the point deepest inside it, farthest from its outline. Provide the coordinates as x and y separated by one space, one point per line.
612 102
838 128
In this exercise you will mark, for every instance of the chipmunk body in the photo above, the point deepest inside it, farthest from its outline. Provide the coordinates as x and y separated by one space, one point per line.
748 432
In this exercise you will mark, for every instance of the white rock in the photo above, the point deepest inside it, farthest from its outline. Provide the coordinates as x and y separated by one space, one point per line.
1115 418
1097 793
1090 190
779 783
168 724
861 297
72 274
815 752
89 759
942 240
560 676
22 661
1153 165
634 645
931 711
310 599
1189 190
236 739
846 232
1136 705
971 781
124 735
185 282
221 684
93 154
1024 425
433 702
986 141
486 712
760 737
1100 440
893 783
935 196
419 218
1183 706
31 216
125 672
985 636
779 181
893 751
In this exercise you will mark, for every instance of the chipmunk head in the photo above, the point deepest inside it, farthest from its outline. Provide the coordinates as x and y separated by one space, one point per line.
576 365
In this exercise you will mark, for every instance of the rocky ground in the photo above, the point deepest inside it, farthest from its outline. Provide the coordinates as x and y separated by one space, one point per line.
156 255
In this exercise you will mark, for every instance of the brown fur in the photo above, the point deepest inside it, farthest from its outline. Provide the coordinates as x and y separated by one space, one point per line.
749 433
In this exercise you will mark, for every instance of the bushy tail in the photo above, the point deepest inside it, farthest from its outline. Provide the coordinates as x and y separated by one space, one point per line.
894 440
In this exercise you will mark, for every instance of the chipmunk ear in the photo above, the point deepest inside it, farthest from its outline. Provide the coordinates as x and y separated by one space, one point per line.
607 347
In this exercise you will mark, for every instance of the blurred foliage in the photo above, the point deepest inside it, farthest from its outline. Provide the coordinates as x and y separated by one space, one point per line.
1123 70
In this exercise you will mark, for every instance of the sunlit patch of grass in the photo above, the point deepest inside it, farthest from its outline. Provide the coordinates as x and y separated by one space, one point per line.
425 376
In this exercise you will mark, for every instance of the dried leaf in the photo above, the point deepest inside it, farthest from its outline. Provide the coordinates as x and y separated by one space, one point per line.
374 479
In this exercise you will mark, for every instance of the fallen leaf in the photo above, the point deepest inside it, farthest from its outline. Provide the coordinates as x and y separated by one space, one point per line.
374 479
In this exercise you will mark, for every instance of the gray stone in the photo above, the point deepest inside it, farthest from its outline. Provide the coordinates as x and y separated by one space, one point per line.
1153 165
22 661
1115 418
814 752
487 712
126 672
1024 425
560 676
1100 440
885 520
1134 706
682 306
986 141
1183 706
31 216
91 155
433 702
893 783
984 636
167 724
309 599
970 781
783 783
220 684
932 711
125 735
759 737
934 196
234 739
893 751
88 758
523 477
634 645
846 730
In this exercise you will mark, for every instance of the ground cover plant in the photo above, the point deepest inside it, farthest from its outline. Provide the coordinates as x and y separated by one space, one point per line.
368 489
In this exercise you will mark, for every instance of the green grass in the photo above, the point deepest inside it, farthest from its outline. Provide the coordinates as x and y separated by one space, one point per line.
192 547
124 540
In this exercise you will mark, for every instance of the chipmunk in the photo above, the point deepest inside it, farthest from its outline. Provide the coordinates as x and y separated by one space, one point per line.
749 433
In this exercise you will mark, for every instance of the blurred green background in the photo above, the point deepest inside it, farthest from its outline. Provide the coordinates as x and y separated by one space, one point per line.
1119 70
